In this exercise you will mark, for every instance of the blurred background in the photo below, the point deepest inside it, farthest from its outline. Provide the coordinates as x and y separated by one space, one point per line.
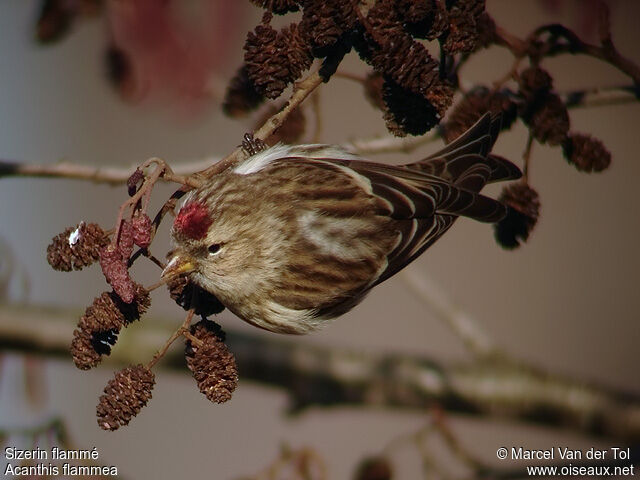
566 301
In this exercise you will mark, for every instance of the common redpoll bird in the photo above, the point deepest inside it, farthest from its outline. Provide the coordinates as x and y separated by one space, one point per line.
296 235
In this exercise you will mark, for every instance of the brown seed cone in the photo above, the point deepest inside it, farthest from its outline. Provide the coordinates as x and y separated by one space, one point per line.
213 365
141 226
325 22
393 52
423 18
346 13
124 396
188 296
279 7
534 81
586 153
475 104
374 468
290 131
267 65
320 25
241 96
406 112
373 89
76 247
463 35
177 287
296 48
98 328
102 315
408 63
523 209
134 310
416 11
82 350
440 95
383 23
549 121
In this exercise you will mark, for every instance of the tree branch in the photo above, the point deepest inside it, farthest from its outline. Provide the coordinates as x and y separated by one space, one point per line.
601 96
108 175
324 376
389 144
564 41
594 97
114 176
301 90
474 338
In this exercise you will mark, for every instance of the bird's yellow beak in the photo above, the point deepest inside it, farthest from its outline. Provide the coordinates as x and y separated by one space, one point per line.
179 264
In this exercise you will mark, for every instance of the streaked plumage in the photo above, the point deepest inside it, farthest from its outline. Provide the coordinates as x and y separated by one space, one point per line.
296 235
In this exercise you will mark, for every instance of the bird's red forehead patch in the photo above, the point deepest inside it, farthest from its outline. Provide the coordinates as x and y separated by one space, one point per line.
193 221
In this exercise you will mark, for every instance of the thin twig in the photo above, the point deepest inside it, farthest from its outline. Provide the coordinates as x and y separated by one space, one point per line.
465 327
178 333
149 182
193 339
510 75
564 41
453 442
517 46
601 96
389 144
526 157
301 461
302 89
156 285
585 98
317 116
108 175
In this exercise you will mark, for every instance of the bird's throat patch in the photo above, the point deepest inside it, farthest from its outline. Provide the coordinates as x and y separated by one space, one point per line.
193 221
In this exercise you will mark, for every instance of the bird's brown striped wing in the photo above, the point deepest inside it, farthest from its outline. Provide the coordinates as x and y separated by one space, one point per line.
426 197
424 208
413 194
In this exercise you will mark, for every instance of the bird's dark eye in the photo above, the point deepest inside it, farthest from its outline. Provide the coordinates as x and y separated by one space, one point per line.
215 248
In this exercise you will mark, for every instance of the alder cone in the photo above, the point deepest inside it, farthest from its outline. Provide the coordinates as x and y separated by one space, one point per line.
586 153
76 247
212 364
124 396
522 214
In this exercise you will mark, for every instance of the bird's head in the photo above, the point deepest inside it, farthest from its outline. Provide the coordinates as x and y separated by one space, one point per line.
222 245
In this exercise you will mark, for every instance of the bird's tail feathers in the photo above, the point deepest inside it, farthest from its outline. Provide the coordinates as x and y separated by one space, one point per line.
467 162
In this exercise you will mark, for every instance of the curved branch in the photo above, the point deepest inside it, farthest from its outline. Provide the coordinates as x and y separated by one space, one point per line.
389 144
301 90
461 323
108 175
564 41
324 376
